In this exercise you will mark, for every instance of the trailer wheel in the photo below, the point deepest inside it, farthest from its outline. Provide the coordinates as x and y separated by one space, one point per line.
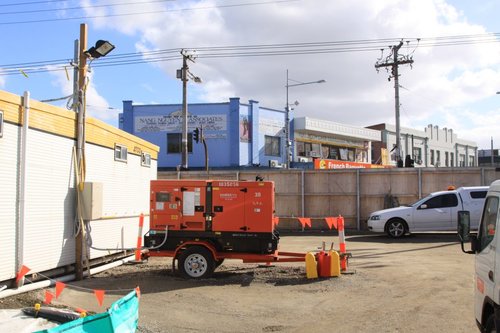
196 262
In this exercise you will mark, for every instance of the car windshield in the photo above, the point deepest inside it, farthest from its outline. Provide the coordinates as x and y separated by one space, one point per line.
421 201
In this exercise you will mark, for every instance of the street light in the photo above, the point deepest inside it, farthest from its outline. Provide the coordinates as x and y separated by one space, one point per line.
287 110
101 49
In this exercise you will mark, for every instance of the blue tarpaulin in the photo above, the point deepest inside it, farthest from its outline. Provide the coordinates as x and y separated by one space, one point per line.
121 317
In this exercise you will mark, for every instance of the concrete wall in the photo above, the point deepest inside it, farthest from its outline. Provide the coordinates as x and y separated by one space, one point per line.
353 194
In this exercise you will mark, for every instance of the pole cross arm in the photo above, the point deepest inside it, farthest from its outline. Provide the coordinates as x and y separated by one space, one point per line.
390 64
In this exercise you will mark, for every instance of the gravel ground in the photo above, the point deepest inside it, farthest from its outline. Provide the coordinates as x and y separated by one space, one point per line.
423 283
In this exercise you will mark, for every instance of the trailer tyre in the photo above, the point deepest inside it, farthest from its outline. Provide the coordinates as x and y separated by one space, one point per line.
396 228
196 262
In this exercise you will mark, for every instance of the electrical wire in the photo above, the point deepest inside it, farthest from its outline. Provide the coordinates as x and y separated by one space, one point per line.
88 229
247 4
257 50
82 7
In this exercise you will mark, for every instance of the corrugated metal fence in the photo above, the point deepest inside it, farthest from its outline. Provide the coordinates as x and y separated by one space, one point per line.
353 193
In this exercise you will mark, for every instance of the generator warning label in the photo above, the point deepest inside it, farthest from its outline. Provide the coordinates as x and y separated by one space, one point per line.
228 196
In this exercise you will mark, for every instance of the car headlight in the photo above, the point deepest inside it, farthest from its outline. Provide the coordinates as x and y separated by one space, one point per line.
375 217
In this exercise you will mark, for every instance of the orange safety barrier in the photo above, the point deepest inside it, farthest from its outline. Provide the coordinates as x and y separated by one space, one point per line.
139 239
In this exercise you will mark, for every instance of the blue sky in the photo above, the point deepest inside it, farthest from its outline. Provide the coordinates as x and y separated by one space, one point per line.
449 86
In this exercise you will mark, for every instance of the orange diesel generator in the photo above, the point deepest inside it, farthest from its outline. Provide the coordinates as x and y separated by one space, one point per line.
227 216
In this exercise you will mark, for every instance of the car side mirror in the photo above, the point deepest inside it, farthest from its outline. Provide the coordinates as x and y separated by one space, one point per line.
423 206
463 231
463 225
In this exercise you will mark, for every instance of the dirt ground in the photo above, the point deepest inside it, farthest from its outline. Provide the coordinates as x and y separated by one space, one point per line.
423 283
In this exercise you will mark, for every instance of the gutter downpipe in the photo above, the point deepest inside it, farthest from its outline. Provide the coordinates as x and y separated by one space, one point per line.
65 278
358 201
22 187
419 183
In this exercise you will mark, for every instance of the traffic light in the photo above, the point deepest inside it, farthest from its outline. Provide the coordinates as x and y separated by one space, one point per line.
196 135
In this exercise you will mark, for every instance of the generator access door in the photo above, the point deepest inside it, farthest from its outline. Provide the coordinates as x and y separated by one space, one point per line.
240 206
178 205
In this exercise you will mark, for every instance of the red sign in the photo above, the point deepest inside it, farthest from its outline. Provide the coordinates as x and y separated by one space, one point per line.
324 164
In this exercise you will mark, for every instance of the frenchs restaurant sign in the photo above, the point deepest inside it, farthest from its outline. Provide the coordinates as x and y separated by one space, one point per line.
325 164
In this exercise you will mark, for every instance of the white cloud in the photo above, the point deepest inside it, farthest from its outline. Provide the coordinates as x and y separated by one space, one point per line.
442 79
97 106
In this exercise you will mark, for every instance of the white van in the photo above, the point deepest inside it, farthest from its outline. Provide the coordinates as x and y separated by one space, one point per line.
436 212
485 245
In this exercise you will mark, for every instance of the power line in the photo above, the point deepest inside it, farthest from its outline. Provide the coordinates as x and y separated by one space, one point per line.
256 50
30 3
82 7
150 12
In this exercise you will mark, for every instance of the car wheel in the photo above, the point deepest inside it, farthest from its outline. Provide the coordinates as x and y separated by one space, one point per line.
490 324
196 262
396 228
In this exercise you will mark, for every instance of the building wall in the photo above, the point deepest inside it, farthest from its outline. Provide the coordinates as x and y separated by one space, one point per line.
9 147
48 238
438 147
332 140
234 131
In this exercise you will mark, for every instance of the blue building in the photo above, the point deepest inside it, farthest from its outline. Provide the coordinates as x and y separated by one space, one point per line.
237 134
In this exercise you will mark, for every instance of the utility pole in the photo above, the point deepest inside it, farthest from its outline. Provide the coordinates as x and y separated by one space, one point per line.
184 147
184 75
80 144
394 64
492 156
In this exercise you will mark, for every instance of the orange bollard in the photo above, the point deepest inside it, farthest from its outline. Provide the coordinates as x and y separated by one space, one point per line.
139 239
343 257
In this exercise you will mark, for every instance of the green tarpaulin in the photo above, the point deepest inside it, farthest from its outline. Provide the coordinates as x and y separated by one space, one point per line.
121 317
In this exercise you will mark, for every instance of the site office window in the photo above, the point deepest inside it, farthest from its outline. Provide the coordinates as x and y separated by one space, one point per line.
272 146
174 143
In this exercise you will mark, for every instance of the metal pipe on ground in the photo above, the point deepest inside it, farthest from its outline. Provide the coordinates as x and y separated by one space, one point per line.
66 278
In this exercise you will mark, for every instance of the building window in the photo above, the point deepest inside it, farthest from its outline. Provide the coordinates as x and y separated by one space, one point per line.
452 160
446 159
471 160
462 160
432 156
145 159
174 143
417 155
121 153
273 146
438 158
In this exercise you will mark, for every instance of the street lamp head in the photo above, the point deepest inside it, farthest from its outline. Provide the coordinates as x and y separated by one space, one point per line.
101 49
321 81
498 92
